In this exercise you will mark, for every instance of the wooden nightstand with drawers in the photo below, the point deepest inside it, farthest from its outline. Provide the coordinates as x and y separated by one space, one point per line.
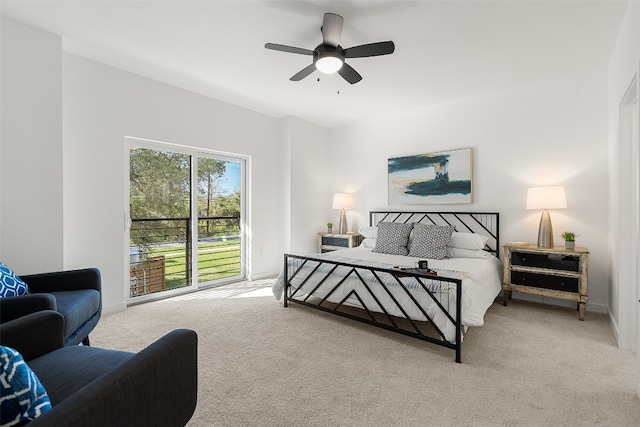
553 272
328 242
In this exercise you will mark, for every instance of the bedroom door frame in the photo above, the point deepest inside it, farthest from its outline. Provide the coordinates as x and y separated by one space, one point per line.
635 215
635 219
629 241
636 145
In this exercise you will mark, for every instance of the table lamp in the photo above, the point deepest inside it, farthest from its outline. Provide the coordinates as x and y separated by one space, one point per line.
343 201
545 198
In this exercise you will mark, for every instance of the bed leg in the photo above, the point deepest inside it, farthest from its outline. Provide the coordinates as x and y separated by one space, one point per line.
285 296
458 322
285 292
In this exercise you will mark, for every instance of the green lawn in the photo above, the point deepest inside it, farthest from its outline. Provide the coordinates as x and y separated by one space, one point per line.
216 260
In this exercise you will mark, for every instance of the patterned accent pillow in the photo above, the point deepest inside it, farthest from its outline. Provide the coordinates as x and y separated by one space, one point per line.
392 238
430 241
23 398
10 284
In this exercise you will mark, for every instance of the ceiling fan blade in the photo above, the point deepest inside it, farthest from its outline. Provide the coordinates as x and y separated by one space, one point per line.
371 49
349 74
332 29
289 49
303 73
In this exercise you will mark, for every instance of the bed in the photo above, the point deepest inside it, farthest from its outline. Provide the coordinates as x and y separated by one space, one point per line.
378 282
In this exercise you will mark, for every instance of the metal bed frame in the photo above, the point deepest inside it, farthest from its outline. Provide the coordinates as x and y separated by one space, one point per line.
485 223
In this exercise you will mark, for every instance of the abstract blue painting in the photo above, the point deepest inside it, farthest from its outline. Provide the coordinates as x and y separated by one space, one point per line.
441 177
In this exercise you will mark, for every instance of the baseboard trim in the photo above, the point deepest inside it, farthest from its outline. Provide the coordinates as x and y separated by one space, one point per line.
594 308
110 309
260 276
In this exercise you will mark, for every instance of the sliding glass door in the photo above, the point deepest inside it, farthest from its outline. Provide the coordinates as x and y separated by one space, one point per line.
220 242
186 219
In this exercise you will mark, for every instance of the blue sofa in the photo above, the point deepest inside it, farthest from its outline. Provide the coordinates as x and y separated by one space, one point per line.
76 294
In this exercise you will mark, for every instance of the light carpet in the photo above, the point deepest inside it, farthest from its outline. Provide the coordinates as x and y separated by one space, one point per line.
261 364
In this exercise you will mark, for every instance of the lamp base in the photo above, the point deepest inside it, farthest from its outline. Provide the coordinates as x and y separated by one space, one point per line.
343 222
545 231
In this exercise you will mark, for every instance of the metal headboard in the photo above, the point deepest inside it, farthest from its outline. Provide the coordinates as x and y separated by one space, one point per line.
485 223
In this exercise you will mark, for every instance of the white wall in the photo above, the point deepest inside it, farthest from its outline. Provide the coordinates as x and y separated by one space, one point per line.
102 105
1 102
31 161
64 120
310 184
303 186
550 133
624 65
284 185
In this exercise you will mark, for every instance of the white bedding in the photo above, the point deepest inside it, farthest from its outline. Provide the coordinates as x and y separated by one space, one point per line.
481 283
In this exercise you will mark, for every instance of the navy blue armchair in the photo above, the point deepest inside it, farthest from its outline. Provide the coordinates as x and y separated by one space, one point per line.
76 294
90 386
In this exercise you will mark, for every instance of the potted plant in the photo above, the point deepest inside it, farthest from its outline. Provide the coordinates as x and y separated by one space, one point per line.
329 227
569 238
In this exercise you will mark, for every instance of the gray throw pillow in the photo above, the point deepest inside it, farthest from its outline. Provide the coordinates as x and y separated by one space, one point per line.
430 241
393 238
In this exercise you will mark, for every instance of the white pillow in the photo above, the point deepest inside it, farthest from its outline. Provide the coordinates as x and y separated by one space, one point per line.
369 232
467 241
468 253
368 243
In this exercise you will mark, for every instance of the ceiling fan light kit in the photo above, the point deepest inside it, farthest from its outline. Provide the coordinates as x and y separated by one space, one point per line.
329 62
329 57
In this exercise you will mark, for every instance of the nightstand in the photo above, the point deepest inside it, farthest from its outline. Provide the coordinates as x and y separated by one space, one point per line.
552 272
328 242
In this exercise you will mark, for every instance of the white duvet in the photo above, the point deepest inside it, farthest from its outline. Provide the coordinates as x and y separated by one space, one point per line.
481 283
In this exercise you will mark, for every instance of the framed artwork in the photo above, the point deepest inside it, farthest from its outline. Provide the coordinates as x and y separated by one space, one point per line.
440 177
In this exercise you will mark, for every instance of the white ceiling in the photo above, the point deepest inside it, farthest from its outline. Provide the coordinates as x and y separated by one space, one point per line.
445 50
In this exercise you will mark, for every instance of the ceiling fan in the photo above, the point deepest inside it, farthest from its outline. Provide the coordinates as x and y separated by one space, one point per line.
329 57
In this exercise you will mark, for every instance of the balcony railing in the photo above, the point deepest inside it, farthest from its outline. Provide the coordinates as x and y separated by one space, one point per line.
160 252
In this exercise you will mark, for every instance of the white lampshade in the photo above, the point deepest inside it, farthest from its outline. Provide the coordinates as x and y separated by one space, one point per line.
551 197
342 201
